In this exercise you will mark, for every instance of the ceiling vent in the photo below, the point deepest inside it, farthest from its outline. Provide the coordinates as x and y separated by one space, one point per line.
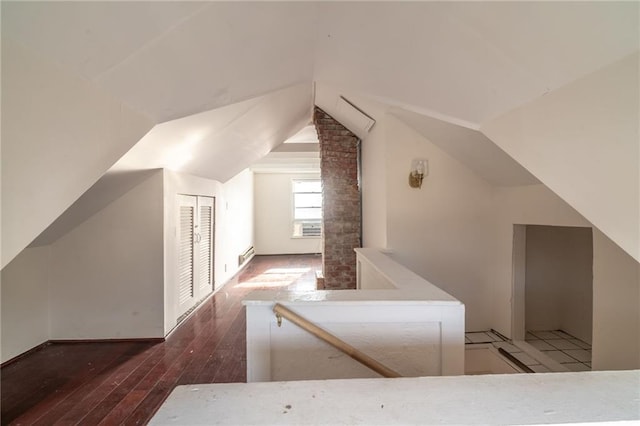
354 118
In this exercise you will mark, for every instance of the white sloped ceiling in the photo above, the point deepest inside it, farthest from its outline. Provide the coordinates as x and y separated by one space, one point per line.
189 65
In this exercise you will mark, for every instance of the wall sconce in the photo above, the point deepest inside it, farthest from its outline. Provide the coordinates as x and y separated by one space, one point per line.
419 169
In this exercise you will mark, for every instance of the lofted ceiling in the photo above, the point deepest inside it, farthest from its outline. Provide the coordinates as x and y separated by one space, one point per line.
468 146
214 144
471 148
219 143
470 61
229 81
172 59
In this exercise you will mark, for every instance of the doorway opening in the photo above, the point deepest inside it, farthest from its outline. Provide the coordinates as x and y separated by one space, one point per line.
553 292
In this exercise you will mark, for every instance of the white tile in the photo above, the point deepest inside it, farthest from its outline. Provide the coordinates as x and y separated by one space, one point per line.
466 340
563 344
559 356
541 345
529 336
525 359
588 364
545 335
579 354
577 366
539 368
479 337
563 334
507 347
580 343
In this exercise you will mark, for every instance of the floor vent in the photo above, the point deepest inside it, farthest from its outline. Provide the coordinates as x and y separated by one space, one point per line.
248 254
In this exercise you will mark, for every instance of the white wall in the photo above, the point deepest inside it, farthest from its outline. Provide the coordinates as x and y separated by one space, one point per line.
25 307
237 221
616 308
52 120
106 274
616 281
559 279
233 228
440 231
374 187
533 205
274 215
458 233
583 142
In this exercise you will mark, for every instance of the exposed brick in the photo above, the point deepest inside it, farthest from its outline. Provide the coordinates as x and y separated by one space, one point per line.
341 201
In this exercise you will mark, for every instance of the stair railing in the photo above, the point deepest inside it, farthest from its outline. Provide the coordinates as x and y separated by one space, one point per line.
336 342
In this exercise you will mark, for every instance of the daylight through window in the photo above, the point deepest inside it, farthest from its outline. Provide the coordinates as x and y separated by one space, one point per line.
307 208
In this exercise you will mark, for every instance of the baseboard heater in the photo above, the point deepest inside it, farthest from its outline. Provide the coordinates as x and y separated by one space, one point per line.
247 255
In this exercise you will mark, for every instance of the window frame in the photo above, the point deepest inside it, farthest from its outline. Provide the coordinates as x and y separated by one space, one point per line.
298 223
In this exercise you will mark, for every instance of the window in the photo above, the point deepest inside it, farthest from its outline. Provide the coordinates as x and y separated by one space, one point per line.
307 207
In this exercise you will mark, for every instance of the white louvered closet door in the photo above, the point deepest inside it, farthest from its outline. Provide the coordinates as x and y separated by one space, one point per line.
186 249
205 245
195 249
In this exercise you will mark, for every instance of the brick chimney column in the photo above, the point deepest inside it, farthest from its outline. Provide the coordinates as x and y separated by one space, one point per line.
341 212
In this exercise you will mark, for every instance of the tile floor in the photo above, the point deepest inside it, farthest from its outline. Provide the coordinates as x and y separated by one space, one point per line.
499 342
562 347
558 345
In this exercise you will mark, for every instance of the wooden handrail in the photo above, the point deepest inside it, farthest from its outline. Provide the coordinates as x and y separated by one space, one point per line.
334 341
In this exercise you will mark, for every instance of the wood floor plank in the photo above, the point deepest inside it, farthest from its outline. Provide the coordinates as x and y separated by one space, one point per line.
92 391
126 382
75 376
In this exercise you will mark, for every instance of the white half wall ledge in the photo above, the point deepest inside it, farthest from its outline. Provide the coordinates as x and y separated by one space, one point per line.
395 316
550 398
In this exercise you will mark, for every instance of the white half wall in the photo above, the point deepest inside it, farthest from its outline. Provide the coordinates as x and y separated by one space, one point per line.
233 227
274 215
25 302
583 142
441 231
107 273
60 134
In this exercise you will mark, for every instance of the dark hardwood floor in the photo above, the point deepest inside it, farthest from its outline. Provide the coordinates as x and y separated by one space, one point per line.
126 382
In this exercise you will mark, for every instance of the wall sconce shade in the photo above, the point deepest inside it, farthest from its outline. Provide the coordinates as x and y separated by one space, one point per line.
419 169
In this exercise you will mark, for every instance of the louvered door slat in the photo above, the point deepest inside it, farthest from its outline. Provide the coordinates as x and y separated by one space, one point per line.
195 245
206 213
185 262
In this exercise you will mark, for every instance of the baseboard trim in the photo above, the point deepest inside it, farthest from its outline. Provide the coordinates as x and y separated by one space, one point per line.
129 340
72 341
24 354
289 254
201 303
147 340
